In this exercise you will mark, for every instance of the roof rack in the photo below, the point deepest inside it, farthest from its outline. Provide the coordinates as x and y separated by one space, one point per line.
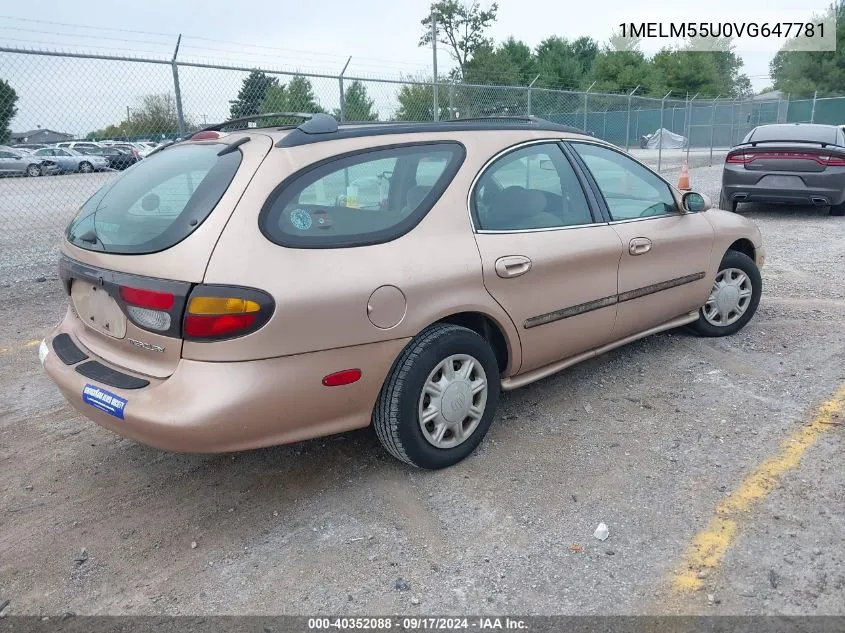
313 122
305 133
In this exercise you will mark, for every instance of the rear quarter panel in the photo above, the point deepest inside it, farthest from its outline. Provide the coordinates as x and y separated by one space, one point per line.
322 294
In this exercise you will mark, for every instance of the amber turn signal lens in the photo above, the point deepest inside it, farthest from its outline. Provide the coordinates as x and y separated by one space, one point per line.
222 305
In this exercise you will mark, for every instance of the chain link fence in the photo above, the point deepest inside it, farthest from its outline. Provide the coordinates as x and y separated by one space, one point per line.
58 102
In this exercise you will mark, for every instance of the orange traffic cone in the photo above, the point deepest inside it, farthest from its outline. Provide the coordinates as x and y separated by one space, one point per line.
683 181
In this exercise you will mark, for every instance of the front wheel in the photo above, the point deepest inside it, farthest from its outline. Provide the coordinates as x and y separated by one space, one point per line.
85 167
733 299
33 171
440 397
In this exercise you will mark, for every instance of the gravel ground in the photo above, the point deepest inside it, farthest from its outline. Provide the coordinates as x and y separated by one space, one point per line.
648 439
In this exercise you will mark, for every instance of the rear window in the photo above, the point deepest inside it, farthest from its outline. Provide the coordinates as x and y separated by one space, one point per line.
362 198
157 203
798 133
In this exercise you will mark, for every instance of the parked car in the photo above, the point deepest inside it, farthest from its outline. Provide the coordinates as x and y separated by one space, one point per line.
224 296
76 144
117 158
15 163
128 147
792 163
70 160
28 146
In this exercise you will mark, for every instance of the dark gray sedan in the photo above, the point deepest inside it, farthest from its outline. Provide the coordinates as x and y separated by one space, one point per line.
791 163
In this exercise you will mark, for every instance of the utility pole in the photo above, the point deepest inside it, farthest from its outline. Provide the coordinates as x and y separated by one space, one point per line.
434 60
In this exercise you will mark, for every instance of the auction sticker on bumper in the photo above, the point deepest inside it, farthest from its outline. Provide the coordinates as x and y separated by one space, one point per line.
104 400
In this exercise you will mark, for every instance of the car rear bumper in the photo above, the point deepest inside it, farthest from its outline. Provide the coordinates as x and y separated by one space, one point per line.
793 195
208 407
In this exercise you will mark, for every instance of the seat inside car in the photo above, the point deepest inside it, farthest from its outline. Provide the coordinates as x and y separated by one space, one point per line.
517 208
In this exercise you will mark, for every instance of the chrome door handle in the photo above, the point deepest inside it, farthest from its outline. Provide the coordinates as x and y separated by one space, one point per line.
512 266
639 245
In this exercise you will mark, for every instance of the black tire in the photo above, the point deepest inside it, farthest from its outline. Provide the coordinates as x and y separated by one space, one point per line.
396 415
733 259
837 210
33 170
725 203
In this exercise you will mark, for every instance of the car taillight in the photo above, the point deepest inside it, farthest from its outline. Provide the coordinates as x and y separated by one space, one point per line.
836 161
222 312
744 158
148 308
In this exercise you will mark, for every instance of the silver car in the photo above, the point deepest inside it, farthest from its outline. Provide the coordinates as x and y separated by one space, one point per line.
15 163
70 160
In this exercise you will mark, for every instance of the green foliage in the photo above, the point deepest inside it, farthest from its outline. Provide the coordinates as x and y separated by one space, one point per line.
460 26
252 93
416 103
296 96
622 71
801 73
8 109
156 115
357 106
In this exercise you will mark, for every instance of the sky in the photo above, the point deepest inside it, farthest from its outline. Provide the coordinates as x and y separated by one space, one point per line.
381 37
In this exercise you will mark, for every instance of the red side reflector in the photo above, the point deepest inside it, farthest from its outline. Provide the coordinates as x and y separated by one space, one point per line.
345 377
213 325
206 135
147 298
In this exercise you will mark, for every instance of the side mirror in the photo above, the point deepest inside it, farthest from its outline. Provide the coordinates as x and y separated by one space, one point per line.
695 202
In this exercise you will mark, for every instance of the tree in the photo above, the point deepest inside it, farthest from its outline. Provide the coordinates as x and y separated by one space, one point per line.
510 63
460 26
156 115
683 71
251 94
805 72
622 71
565 64
357 106
300 97
8 109
416 102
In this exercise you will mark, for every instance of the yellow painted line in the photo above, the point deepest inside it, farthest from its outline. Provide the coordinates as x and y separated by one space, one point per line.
709 546
21 347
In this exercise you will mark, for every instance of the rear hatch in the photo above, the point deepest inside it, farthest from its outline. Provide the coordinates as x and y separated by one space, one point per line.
140 245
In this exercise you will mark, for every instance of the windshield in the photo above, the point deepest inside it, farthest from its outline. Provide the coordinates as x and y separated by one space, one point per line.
157 203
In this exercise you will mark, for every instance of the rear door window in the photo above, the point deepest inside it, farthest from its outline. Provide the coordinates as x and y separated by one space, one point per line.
362 198
156 204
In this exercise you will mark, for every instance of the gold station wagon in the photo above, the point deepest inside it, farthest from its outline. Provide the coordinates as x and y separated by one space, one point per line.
253 286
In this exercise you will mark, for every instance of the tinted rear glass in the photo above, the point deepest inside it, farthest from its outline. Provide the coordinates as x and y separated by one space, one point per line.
157 203
810 133
363 198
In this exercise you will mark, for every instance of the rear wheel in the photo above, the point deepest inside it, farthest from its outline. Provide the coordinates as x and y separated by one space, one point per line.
726 204
733 299
33 170
86 167
837 209
439 399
